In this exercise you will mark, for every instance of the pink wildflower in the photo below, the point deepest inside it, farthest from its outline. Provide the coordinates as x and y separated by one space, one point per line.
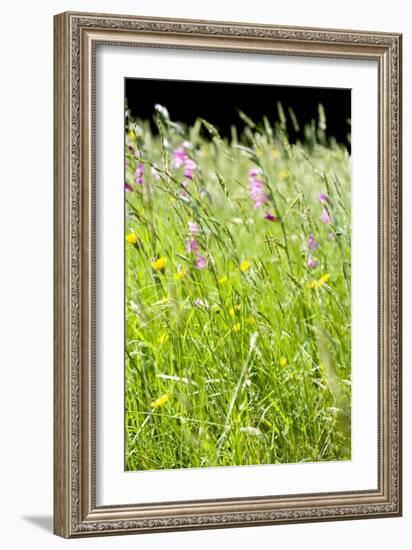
127 187
323 198
325 217
271 217
139 174
257 188
179 156
189 168
192 246
193 228
312 263
201 262
312 242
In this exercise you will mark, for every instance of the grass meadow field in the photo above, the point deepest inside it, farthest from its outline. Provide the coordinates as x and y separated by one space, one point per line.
237 290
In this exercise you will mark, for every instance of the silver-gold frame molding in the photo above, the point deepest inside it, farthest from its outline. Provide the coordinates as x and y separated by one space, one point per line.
76 36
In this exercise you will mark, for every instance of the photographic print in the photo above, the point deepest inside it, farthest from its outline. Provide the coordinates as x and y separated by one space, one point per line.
237 274
227 274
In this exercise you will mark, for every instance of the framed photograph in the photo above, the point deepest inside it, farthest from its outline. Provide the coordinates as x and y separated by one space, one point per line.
227 274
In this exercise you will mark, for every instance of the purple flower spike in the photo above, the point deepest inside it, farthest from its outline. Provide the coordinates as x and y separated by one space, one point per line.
312 242
323 198
254 172
189 168
127 187
193 228
271 217
192 246
179 156
257 188
312 263
325 217
139 174
201 262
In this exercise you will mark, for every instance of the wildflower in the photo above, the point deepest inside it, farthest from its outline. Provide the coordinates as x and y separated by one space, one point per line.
193 228
189 168
323 280
236 327
222 280
155 172
128 187
244 266
192 246
132 238
257 188
283 174
311 263
232 310
179 274
159 264
250 320
163 338
323 198
202 303
131 135
283 362
325 217
271 217
139 174
312 242
160 401
179 156
311 284
201 262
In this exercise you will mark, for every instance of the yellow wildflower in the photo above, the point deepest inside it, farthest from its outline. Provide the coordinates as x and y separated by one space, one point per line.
159 264
311 284
244 266
179 274
283 362
323 280
232 310
132 238
160 401
284 174
222 280
131 135
163 338
251 320
236 327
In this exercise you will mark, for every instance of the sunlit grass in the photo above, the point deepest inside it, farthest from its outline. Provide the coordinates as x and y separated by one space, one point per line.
238 345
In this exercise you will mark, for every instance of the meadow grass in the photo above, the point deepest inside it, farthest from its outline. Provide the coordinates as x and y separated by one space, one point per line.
238 314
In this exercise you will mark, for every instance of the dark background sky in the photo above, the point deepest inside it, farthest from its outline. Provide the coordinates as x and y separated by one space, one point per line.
218 103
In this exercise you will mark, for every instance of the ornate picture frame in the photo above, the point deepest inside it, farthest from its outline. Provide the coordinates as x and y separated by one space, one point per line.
76 37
